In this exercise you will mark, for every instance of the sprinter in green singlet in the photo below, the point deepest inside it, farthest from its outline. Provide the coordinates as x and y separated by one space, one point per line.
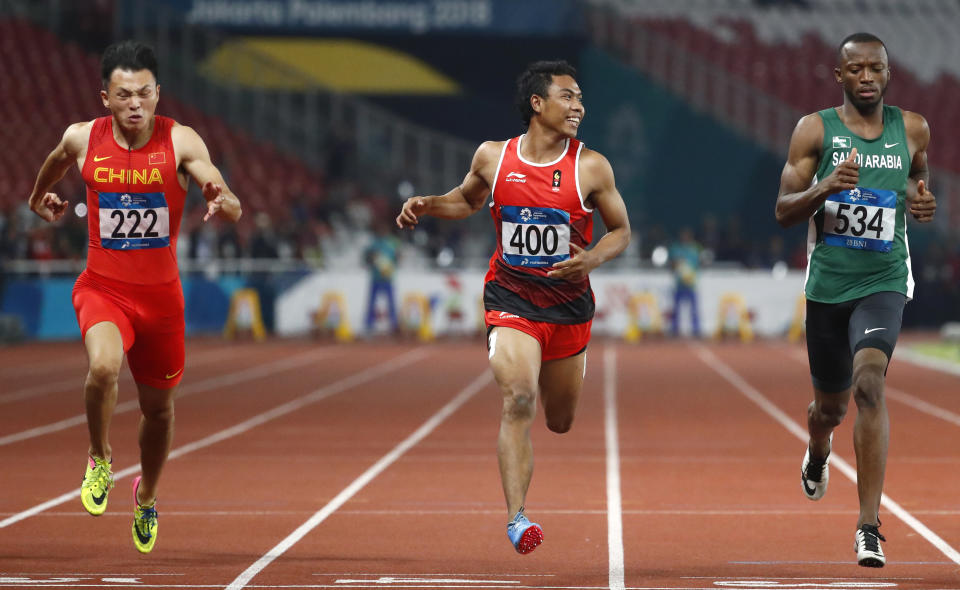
853 172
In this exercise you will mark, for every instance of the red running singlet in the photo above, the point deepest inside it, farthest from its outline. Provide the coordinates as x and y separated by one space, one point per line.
134 204
538 211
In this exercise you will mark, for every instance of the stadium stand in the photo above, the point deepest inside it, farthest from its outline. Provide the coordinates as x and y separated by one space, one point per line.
51 84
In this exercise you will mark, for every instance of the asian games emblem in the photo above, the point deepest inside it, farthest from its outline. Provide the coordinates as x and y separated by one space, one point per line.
526 214
125 200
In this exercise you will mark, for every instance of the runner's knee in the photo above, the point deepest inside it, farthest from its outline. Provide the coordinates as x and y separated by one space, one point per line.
160 410
559 424
868 387
519 404
102 376
830 413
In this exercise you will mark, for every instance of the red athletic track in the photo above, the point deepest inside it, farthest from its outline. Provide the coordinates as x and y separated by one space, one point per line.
709 481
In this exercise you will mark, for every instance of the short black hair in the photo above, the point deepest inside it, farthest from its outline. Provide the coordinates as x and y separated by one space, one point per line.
127 55
859 38
536 79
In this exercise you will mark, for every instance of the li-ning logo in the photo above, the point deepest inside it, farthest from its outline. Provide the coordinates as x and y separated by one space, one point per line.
516 177
526 214
556 180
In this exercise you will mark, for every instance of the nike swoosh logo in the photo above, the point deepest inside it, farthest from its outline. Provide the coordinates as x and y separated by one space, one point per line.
143 540
873 330
810 490
890 145
100 158
174 375
99 501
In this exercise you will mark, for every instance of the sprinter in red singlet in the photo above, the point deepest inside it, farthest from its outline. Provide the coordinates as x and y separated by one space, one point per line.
129 300
544 186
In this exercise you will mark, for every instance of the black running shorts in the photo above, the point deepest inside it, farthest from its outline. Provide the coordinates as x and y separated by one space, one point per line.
836 331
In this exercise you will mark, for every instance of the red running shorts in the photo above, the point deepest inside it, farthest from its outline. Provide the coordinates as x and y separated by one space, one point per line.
557 341
150 319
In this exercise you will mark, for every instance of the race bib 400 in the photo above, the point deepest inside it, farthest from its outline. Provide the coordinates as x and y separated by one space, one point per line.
534 236
133 221
861 218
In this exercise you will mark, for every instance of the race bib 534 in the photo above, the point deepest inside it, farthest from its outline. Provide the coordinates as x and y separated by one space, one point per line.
861 218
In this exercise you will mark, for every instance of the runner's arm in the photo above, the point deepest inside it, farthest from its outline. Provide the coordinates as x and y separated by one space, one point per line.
798 200
921 201
463 200
42 202
606 199
195 160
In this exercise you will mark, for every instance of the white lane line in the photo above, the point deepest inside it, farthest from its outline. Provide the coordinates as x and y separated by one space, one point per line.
910 400
414 580
344 384
918 404
358 484
614 503
76 382
794 428
922 360
451 574
219 381
63 583
462 511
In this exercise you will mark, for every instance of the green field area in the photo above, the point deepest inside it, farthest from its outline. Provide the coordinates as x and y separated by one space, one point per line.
943 350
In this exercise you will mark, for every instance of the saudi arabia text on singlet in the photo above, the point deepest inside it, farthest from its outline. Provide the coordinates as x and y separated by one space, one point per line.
538 211
857 241
134 202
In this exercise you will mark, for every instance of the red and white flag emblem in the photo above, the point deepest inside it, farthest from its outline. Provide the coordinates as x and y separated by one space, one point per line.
157 158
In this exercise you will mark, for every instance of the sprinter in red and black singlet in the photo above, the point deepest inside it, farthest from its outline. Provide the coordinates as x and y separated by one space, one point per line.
538 304
538 212
129 300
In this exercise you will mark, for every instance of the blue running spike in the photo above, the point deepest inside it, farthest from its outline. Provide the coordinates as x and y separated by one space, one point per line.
524 535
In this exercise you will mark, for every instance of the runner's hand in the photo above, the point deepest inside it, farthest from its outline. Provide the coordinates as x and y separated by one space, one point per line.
845 176
51 208
923 204
213 194
412 209
575 268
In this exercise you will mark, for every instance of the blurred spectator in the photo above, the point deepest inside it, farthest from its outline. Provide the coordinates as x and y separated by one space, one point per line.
381 259
685 261
263 243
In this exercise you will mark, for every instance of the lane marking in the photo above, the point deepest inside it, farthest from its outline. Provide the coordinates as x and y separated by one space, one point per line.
432 574
922 406
794 428
580 512
391 580
798 585
258 372
35 584
358 484
614 502
193 361
911 400
344 384
921 360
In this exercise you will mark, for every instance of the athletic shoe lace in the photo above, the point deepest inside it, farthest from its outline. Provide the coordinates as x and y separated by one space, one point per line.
146 520
814 470
871 538
99 478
